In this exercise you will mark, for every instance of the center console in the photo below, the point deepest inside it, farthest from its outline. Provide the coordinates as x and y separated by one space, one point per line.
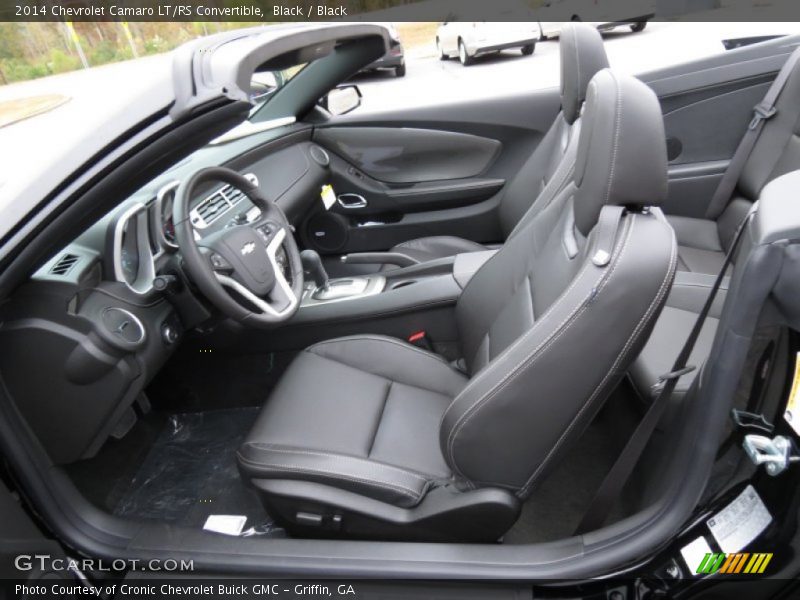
436 282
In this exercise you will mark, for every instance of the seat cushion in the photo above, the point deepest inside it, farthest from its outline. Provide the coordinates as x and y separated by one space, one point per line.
440 246
699 246
657 357
360 413
685 302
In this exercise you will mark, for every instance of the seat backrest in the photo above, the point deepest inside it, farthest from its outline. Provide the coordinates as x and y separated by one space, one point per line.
549 168
775 153
551 322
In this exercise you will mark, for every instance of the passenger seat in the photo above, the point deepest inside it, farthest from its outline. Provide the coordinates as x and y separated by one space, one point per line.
550 167
703 244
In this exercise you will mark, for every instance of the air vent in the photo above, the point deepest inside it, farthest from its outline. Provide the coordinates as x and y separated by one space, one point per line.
234 195
64 265
218 203
213 207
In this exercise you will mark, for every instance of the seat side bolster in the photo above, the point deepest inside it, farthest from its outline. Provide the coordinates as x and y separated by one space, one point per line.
546 387
381 481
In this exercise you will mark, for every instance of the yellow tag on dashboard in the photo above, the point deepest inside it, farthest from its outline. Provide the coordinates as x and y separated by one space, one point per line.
792 414
328 196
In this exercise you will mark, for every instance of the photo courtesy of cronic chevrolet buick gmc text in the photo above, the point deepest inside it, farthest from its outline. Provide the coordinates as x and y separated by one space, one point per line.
547 337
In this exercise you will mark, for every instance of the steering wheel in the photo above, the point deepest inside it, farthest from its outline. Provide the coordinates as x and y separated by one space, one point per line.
248 259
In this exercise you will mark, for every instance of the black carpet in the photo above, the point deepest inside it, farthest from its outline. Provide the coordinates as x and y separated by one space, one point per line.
556 506
191 473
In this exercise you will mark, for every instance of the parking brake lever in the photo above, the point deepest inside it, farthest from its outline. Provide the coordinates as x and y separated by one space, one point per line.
312 266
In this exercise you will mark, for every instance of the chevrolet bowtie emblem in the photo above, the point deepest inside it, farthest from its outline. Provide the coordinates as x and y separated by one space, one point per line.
248 248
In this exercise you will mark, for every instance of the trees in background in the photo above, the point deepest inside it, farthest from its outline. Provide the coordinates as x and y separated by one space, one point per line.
32 50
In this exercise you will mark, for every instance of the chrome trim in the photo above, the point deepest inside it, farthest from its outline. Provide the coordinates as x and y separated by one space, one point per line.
283 285
147 269
375 285
133 318
360 201
162 241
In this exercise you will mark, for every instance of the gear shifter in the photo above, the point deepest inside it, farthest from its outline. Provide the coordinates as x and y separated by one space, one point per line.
312 265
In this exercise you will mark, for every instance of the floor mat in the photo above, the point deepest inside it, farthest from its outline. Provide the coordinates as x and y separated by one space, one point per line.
558 503
191 473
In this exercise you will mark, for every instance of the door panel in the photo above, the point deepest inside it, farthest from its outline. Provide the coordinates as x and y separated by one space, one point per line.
427 184
702 134
436 170
707 104
406 155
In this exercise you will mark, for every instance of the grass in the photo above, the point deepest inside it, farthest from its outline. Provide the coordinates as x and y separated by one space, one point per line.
18 109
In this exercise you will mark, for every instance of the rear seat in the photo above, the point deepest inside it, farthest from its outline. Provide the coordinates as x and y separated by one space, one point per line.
704 242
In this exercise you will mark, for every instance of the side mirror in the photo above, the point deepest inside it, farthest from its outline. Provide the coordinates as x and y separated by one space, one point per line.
264 83
342 100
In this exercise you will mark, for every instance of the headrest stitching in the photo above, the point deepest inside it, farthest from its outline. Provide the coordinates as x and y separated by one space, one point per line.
617 127
578 60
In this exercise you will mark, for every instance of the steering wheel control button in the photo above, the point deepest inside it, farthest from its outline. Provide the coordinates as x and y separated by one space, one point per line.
123 325
266 230
219 262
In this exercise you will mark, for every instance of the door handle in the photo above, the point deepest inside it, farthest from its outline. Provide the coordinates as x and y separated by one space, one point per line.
351 201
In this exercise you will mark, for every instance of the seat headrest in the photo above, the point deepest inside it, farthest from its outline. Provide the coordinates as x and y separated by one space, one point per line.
582 55
622 150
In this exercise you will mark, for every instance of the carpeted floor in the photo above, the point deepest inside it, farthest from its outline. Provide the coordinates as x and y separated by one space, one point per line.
558 503
191 473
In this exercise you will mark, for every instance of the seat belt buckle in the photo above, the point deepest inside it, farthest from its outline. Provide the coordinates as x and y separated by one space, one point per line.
420 340
761 112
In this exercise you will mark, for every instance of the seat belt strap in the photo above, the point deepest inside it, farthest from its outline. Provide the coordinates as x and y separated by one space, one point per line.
615 480
762 112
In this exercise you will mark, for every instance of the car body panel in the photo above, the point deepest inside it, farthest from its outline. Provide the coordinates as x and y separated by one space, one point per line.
482 37
605 15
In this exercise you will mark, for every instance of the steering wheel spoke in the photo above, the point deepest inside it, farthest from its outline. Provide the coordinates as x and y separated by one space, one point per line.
259 262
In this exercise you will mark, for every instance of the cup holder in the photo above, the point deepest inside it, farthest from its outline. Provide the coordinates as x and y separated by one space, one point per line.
402 284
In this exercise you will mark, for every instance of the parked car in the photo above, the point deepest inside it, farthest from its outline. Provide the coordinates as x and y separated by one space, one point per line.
468 41
605 15
394 58
241 356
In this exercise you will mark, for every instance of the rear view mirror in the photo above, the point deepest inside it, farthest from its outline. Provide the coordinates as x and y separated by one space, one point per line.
342 100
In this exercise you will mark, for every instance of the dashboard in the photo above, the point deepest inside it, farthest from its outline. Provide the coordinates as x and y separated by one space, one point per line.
142 233
94 312
139 238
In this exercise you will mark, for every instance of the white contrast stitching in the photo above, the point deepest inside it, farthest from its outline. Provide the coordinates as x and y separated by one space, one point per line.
366 462
533 356
376 338
394 487
631 339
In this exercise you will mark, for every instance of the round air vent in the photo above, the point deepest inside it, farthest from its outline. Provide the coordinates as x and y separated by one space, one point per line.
320 156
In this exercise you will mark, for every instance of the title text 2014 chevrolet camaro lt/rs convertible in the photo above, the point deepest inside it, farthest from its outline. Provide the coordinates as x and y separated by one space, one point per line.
544 337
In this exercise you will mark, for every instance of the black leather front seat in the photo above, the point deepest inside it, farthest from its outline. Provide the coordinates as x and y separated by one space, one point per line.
550 166
368 436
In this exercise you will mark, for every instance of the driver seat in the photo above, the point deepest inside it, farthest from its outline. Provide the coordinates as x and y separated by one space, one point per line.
370 437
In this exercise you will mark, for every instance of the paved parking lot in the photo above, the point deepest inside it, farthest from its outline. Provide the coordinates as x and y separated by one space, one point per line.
430 80
96 94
